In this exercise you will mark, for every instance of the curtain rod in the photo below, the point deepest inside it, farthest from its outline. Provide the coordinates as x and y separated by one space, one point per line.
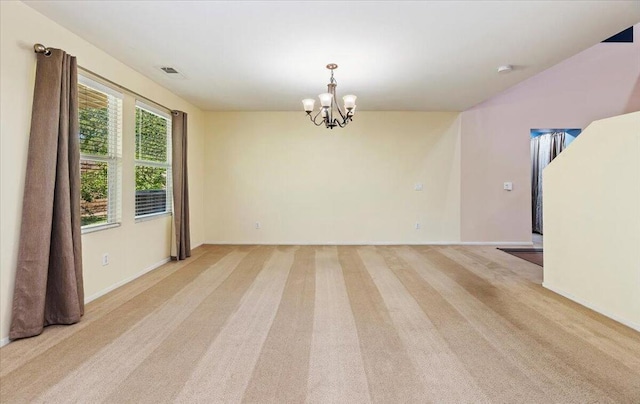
39 48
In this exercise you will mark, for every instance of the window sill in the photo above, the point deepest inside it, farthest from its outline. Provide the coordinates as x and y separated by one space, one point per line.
100 227
152 216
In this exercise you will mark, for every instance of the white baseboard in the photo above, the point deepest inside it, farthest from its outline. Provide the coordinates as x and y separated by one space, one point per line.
595 308
323 243
479 243
125 281
497 243
4 341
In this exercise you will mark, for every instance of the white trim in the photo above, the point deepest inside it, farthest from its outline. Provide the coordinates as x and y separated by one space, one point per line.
595 308
98 227
156 111
528 243
125 281
151 216
4 341
103 88
479 243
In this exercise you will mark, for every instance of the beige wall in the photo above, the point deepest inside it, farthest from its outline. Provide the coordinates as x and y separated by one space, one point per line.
21 27
308 184
592 219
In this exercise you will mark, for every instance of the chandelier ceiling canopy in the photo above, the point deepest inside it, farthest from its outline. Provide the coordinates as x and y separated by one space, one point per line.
330 114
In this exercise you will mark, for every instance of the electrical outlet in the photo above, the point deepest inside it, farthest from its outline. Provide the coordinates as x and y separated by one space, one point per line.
417 226
258 226
105 259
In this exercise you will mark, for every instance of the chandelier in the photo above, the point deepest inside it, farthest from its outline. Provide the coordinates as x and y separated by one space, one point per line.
330 113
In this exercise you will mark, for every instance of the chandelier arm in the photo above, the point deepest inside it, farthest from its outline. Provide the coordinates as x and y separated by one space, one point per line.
343 124
342 115
347 120
313 119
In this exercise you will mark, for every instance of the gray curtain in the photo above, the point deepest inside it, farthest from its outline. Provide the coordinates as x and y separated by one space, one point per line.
544 149
181 241
48 287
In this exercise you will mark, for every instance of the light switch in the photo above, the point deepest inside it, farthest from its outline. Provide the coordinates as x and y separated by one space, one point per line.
418 187
508 186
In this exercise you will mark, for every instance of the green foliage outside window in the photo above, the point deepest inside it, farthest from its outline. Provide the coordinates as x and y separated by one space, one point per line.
94 136
150 178
151 146
94 130
151 136
93 191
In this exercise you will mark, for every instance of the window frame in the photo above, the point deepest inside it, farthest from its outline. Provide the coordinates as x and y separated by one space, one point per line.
145 106
113 158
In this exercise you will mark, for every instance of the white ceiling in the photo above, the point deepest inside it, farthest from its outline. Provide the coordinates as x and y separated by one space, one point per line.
268 55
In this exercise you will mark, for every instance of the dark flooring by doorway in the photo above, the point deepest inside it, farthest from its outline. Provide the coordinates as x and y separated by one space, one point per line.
534 255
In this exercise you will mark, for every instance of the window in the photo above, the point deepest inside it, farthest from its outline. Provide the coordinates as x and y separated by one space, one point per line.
100 119
153 161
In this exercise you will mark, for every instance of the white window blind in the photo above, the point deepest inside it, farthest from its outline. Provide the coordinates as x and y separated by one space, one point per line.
152 161
100 119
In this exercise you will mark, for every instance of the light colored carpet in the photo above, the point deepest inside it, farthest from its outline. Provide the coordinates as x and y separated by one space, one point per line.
326 324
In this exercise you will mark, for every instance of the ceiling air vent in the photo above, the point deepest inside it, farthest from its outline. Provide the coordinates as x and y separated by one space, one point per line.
169 70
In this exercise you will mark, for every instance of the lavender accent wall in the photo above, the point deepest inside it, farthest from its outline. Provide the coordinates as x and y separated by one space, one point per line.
600 82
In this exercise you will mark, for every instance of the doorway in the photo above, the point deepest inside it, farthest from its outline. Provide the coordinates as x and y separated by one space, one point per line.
546 145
